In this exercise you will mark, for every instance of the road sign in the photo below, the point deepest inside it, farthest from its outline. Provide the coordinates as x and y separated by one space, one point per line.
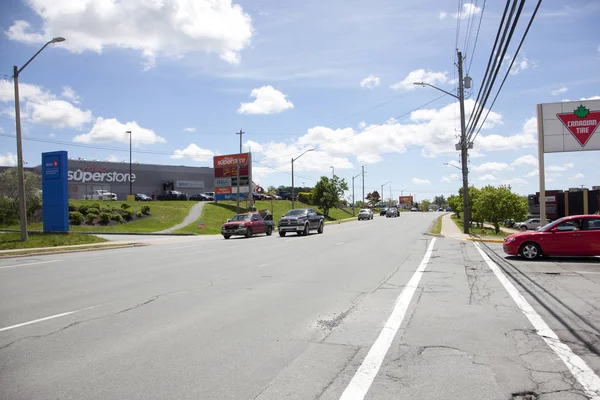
582 123
200 225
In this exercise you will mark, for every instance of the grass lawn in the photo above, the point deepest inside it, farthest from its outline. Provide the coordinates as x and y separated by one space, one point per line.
436 229
9 241
479 231
214 215
163 215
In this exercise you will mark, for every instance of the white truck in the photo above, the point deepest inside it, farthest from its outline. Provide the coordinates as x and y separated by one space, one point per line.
102 195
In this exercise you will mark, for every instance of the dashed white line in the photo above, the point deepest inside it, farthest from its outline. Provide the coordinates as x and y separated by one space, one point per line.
25 265
586 377
366 373
340 243
182 247
44 319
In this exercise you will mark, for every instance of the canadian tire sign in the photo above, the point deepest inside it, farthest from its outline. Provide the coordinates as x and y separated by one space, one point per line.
582 123
569 126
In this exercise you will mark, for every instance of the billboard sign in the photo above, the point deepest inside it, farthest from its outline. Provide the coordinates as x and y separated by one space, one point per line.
405 200
189 184
571 126
228 169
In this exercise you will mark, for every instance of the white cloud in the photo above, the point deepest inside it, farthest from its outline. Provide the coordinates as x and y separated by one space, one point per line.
194 152
42 107
450 178
58 114
362 124
533 173
526 160
560 168
590 98
558 91
488 177
526 138
468 9
421 75
370 82
8 160
52 135
69 94
515 182
521 63
420 181
111 130
492 167
474 153
268 101
153 27
189 129
112 158
577 177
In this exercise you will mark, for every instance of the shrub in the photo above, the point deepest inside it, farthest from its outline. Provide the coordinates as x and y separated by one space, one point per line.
75 217
305 197
84 209
146 210
9 210
93 210
104 218
118 218
125 206
95 205
72 207
139 214
128 215
90 218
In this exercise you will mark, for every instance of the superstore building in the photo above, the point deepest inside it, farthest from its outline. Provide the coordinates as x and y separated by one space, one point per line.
86 177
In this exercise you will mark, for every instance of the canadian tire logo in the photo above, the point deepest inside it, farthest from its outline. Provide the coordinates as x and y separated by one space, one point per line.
582 123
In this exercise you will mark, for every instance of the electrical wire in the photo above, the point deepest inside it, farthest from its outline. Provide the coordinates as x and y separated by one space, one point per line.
476 38
510 67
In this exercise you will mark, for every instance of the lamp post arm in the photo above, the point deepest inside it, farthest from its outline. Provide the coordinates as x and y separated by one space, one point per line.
31 59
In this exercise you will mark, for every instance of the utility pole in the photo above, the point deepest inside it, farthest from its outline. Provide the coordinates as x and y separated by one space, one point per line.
390 196
363 183
237 173
353 201
130 169
464 147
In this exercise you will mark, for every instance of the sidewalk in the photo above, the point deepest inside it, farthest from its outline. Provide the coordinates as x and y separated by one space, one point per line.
449 228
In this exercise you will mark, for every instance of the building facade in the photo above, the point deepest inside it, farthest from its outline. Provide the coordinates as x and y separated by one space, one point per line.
86 177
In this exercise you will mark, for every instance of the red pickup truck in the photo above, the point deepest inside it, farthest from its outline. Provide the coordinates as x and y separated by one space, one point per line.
247 225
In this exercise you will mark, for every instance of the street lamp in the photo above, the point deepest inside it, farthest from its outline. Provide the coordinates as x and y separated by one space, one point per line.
20 172
463 145
294 159
130 176
353 202
452 165
382 189
332 171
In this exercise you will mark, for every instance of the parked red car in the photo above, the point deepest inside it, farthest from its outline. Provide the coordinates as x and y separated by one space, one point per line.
248 225
577 235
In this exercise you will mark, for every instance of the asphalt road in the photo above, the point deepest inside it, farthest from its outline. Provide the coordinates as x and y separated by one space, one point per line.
370 309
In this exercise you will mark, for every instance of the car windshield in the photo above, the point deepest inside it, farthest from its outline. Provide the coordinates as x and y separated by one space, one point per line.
364 211
241 217
545 227
296 212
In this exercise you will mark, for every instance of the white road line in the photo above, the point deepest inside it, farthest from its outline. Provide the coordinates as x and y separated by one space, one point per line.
25 265
586 377
366 373
340 243
44 319
182 247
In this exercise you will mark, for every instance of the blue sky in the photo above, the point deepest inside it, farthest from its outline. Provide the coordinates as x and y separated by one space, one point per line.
185 76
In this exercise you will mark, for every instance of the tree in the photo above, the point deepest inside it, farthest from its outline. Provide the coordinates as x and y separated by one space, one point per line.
425 205
439 201
271 190
327 192
455 203
374 197
497 204
9 194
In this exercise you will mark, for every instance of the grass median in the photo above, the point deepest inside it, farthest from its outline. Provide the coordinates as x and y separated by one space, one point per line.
10 241
436 229
479 231
215 215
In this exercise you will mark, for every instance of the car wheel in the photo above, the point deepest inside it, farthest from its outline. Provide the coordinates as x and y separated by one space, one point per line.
306 230
248 232
282 234
269 231
523 228
226 236
320 230
530 251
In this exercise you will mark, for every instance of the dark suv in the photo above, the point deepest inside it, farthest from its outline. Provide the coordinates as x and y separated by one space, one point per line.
301 221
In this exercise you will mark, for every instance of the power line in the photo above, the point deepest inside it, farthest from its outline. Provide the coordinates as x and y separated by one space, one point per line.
510 66
476 37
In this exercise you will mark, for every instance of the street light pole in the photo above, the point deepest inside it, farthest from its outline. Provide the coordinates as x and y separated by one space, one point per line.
294 159
464 146
332 171
20 170
353 202
382 189
130 169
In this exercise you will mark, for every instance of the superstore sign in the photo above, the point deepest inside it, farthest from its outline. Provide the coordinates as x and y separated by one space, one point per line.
228 169
91 173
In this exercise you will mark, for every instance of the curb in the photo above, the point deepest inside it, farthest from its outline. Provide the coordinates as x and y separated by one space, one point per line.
64 249
473 239
107 233
434 234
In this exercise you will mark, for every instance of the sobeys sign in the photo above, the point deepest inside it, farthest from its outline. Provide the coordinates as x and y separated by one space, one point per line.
91 173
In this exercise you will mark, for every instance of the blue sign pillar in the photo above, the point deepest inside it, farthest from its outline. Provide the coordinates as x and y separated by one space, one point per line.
55 191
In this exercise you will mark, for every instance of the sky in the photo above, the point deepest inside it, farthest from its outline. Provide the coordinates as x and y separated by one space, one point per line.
336 76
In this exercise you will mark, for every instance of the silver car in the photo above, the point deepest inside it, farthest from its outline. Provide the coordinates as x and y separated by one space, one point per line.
365 213
392 212
530 224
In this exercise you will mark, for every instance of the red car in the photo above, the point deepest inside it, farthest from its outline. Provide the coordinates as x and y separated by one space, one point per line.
577 235
248 225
